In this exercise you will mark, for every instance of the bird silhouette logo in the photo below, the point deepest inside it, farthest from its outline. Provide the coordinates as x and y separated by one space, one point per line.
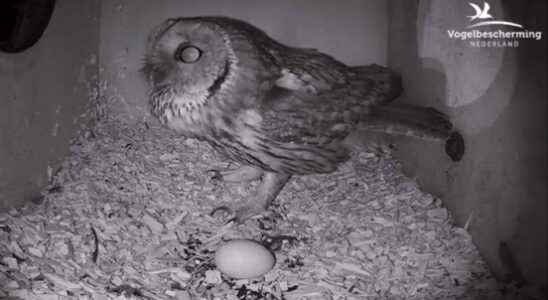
483 14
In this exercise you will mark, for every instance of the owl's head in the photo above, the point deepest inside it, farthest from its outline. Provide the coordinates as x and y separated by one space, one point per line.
187 55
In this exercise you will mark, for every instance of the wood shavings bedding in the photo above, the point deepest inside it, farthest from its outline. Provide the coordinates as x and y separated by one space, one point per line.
127 217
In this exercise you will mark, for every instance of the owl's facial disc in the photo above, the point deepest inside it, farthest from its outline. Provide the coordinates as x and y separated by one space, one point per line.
192 58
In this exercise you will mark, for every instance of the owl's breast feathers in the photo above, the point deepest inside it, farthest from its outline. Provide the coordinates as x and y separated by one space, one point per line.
280 108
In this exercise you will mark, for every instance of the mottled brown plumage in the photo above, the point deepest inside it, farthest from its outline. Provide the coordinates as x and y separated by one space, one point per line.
280 110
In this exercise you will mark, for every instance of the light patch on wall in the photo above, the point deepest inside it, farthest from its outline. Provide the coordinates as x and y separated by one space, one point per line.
49 173
470 71
55 129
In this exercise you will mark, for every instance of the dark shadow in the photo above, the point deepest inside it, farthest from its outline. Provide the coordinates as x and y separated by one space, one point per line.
22 23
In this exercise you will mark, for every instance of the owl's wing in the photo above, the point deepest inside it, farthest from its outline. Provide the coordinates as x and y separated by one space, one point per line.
316 106
300 131
308 112
312 72
301 117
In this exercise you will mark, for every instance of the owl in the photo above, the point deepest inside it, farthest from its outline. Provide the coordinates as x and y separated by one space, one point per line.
276 110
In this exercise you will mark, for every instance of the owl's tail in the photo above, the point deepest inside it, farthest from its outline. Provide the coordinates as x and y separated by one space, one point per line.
421 122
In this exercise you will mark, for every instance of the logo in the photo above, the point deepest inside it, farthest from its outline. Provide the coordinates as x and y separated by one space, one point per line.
502 37
483 14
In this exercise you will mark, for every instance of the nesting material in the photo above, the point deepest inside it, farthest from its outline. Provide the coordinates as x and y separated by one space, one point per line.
127 217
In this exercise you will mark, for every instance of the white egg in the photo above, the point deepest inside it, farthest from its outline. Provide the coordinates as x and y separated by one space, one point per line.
242 259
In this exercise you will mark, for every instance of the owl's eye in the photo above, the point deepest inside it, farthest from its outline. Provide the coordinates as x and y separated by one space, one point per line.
188 54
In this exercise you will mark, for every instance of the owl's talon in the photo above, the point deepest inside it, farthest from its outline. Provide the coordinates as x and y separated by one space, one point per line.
224 213
267 222
225 209
241 174
214 175
239 215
